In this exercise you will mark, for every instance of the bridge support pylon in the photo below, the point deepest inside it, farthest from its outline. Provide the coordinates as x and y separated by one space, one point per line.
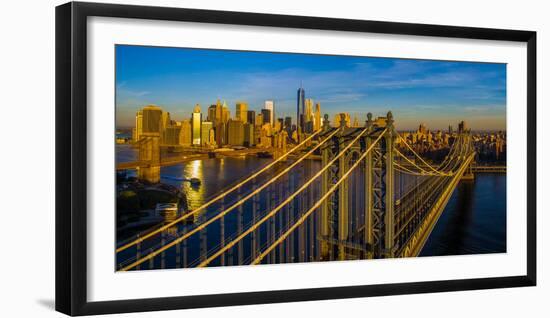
377 232
468 174
379 190
149 151
389 198
328 151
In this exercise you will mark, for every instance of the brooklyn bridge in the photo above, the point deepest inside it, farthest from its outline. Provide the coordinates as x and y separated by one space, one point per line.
372 196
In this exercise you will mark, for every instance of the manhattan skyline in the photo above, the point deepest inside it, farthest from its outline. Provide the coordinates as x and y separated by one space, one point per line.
434 92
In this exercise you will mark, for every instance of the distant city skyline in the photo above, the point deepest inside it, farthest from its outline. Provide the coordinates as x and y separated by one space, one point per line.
436 93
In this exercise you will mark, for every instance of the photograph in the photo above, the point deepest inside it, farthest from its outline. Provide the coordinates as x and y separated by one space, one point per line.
234 158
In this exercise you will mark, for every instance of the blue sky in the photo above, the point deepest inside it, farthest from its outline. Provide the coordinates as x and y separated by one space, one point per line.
437 93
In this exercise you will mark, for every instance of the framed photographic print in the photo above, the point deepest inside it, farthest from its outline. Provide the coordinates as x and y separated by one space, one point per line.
208 158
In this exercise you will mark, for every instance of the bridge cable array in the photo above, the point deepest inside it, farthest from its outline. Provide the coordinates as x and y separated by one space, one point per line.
458 150
287 200
417 155
305 216
217 198
226 211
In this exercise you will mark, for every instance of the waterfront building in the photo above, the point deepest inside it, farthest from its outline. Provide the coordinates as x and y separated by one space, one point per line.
206 128
235 132
151 120
172 135
138 129
271 106
212 139
164 123
196 121
241 111
221 134
185 133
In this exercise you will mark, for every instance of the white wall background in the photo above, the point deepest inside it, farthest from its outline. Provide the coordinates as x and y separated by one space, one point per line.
27 158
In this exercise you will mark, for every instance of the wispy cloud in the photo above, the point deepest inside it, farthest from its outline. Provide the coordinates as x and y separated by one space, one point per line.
409 87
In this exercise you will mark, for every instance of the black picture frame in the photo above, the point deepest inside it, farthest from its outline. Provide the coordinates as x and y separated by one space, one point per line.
71 157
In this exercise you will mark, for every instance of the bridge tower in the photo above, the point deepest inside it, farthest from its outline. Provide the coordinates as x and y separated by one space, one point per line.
379 189
467 140
149 155
328 208
377 241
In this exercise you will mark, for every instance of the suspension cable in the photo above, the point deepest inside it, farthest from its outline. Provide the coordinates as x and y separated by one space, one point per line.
224 212
307 214
207 204
281 205
405 170
417 155
419 168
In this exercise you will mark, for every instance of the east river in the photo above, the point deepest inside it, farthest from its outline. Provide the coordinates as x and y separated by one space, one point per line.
473 222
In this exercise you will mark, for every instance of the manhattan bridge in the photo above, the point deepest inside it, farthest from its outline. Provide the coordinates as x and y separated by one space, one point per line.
371 195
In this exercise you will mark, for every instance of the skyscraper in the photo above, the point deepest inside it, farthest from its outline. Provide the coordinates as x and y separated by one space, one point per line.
172 135
212 113
249 139
308 116
259 120
185 133
165 120
271 106
206 127
235 133
317 118
308 111
300 107
251 117
241 111
266 114
164 124
225 113
288 125
196 121
138 130
221 134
